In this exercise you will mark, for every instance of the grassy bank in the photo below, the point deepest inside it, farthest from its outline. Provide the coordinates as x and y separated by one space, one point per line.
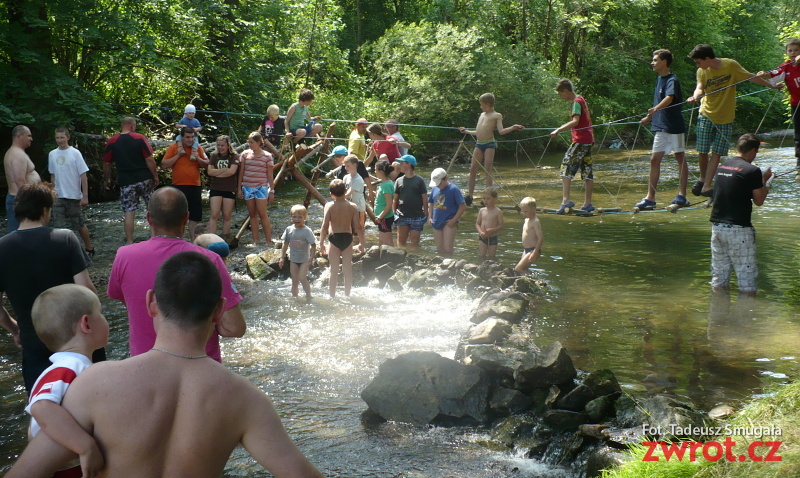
779 411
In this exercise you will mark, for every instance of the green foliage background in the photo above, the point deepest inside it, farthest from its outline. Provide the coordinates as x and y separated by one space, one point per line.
86 63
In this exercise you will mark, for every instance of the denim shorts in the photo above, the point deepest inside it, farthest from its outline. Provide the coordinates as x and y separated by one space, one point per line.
260 192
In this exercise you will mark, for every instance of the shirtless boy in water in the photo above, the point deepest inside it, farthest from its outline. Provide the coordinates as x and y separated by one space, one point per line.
488 224
532 238
342 218
173 411
486 144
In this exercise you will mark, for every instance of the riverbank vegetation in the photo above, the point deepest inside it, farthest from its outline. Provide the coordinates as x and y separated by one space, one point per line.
87 62
777 411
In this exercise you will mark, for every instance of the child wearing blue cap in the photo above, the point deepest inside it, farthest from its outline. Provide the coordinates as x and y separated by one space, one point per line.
410 202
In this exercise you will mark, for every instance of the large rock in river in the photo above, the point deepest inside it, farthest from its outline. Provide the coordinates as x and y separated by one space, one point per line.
424 387
506 305
551 366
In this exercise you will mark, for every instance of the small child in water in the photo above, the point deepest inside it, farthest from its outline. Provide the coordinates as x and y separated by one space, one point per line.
488 224
341 218
68 318
531 235
302 246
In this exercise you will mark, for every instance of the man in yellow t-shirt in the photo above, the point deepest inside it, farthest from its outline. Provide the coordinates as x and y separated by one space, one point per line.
357 143
716 80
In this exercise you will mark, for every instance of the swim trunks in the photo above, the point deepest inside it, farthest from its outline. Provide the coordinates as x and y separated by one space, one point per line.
484 145
385 224
489 241
529 249
129 195
341 240
414 223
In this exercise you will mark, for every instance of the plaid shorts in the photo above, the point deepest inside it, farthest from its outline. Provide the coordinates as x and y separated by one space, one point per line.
67 214
578 157
129 195
414 223
713 137
733 248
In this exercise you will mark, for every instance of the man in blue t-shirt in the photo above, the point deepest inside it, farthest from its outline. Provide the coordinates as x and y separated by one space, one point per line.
739 185
669 128
446 205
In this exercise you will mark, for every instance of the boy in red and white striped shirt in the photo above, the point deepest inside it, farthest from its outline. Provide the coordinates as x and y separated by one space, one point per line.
67 318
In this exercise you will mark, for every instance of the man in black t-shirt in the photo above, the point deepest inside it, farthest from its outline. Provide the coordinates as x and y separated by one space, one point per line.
136 171
35 258
739 184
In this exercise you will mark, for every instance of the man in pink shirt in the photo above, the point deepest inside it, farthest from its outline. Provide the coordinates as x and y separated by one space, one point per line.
135 267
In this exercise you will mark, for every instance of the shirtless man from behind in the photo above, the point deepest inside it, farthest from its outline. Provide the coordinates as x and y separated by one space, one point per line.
19 169
172 411
341 218
486 145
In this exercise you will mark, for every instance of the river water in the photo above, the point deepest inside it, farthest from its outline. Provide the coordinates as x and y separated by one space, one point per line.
628 292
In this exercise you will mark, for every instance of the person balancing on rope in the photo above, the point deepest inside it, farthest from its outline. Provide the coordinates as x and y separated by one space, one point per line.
579 154
486 145
716 91
669 128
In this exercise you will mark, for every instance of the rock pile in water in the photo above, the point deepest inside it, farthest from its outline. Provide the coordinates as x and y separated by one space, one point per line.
533 400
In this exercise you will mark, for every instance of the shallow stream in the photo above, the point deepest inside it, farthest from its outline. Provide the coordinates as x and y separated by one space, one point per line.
629 293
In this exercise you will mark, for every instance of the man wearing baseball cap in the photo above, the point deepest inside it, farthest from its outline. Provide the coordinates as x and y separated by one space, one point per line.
410 199
446 206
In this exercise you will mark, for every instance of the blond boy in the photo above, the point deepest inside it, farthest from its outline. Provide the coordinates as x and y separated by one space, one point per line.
532 238
488 224
485 145
68 319
341 217
301 244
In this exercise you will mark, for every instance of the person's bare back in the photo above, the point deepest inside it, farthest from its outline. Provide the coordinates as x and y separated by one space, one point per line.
184 425
340 216
172 411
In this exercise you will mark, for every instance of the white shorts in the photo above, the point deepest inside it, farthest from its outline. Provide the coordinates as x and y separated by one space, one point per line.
733 248
669 143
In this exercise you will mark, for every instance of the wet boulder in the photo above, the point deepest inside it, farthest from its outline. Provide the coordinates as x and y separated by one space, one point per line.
672 418
599 408
398 281
576 399
494 360
602 382
424 387
505 401
550 366
490 331
383 273
563 420
258 268
377 255
507 305
423 278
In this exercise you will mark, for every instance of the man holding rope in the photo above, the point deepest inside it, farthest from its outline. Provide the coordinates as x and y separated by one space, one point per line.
669 128
716 91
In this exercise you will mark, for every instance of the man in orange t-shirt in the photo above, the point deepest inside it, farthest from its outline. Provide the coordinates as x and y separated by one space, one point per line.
186 167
